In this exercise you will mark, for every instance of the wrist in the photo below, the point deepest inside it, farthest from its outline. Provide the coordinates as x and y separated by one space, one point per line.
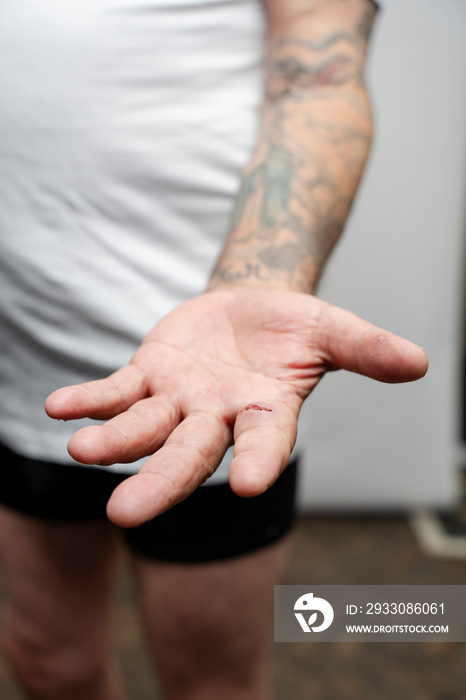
229 280
271 266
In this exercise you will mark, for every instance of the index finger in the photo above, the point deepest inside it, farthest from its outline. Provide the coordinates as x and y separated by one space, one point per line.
265 434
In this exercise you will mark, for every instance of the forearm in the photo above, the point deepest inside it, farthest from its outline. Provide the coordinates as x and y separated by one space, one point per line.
297 190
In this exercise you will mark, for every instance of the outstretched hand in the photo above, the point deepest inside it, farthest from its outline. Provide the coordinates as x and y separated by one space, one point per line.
226 366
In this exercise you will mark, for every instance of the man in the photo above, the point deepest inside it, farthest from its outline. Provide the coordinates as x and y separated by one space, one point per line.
125 153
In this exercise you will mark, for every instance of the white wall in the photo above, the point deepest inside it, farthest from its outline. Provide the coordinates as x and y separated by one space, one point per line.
399 265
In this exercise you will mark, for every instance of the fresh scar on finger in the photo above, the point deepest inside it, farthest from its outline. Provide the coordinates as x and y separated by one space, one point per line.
255 407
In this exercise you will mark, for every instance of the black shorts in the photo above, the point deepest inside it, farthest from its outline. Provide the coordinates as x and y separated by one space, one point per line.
213 523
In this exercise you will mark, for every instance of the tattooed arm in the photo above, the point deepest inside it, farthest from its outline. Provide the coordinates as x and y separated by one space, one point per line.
235 364
297 190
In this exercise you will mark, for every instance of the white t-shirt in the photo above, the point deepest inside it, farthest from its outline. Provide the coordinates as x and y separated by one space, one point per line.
123 131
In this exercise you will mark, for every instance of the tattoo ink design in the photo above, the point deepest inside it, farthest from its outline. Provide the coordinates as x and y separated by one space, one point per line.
296 194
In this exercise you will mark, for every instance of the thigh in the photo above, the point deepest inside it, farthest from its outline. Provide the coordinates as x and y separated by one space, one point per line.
209 625
206 570
59 578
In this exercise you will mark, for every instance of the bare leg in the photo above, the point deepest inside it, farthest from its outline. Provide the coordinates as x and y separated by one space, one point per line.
209 626
56 627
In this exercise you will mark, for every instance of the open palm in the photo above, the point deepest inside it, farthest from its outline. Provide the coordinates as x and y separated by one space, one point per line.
226 366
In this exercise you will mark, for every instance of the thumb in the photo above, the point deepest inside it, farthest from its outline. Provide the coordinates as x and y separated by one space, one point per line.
348 342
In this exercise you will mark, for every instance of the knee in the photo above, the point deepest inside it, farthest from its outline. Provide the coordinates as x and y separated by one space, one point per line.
51 670
211 665
227 683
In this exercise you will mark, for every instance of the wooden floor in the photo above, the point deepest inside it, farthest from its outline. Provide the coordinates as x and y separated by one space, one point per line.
331 551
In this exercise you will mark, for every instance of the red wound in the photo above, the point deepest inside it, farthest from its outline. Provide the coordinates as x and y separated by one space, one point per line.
255 407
